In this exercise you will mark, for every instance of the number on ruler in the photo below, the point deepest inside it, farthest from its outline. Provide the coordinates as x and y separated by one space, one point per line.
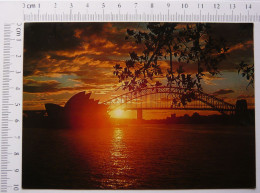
217 6
248 6
18 31
16 187
232 6
31 6
184 5
200 5
136 5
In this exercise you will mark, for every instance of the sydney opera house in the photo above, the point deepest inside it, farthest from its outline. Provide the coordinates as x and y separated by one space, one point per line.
79 112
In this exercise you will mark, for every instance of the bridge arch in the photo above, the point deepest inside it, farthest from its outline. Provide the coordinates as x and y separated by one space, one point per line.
202 100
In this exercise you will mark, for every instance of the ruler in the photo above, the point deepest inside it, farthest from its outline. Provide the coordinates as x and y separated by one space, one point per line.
11 102
144 11
11 106
14 14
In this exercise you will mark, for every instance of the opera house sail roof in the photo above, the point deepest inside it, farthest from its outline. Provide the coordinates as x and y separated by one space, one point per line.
79 111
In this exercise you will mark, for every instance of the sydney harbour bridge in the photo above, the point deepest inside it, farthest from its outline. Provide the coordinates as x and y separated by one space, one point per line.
161 98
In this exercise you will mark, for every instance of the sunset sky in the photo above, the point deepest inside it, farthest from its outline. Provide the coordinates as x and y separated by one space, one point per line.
62 59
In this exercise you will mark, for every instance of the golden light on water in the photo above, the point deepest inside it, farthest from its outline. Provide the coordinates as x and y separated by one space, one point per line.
119 147
119 163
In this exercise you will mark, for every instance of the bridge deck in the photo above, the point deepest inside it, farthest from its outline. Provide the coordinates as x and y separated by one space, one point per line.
174 108
204 101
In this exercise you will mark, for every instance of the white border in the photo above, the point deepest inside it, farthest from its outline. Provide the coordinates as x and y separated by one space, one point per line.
13 12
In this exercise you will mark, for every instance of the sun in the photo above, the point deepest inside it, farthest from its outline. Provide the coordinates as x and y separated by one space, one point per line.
118 113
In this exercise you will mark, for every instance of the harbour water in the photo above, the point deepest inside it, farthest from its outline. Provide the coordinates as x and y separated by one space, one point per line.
155 156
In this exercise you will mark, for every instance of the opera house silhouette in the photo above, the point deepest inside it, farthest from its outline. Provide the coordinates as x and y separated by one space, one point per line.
79 111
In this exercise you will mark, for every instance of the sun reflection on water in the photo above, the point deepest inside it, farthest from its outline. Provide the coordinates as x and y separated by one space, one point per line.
118 149
119 170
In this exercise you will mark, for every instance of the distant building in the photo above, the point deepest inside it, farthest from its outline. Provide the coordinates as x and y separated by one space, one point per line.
79 111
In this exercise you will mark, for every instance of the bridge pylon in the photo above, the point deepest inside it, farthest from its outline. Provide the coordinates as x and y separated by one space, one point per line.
139 114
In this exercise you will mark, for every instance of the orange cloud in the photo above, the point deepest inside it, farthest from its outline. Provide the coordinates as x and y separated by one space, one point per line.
241 46
78 33
208 78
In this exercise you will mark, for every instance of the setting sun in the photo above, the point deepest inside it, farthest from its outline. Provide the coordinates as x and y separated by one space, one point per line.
118 113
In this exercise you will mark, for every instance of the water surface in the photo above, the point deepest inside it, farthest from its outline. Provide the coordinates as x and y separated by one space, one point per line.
140 157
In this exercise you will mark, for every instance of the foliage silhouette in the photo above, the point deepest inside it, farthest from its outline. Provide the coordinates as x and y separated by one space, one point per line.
177 45
247 71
